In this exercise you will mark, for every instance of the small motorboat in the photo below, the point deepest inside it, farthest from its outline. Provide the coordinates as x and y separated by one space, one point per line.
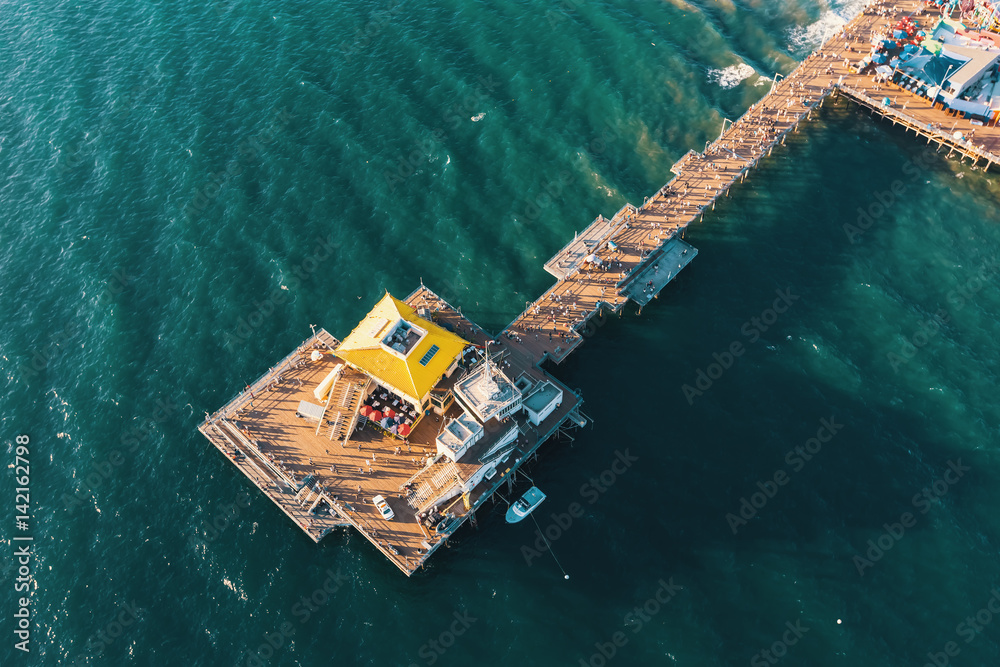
525 505
446 525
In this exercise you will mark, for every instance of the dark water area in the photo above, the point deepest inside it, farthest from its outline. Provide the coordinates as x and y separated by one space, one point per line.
188 188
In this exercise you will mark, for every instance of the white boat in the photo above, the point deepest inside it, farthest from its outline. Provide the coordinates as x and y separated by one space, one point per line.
525 505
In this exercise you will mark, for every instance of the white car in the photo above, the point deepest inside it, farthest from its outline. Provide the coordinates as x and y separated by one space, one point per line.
383 508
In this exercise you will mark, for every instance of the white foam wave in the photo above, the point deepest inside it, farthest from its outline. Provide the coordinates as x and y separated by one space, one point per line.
732 76
805 39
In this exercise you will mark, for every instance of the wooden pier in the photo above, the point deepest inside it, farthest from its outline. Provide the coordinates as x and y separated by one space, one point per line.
321 483
638 238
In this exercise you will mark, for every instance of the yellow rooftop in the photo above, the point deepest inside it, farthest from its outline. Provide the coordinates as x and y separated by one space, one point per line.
400 349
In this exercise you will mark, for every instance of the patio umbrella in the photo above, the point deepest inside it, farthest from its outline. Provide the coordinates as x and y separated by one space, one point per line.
393 429
386 422
389 412
403 430
366 410
375 415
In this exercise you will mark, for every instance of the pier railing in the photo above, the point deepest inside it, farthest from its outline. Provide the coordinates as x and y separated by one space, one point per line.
241 398
926 129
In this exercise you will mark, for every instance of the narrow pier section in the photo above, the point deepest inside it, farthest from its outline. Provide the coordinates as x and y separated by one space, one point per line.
283 441
609 263
662 267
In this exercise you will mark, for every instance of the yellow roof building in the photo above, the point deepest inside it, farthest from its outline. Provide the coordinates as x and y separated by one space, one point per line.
400 349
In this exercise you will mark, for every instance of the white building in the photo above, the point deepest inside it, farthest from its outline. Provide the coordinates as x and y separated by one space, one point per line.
458 435
542 402
488 394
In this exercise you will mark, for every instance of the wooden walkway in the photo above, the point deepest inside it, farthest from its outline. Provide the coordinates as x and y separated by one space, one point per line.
322 483
638 251
642 236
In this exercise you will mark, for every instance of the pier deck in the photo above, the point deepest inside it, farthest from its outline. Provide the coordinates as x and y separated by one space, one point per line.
302 471
553 326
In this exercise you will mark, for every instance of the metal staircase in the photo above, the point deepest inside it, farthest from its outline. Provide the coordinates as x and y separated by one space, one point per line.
346 396
439 480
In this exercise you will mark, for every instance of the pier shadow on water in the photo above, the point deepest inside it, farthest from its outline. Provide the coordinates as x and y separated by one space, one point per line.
837 353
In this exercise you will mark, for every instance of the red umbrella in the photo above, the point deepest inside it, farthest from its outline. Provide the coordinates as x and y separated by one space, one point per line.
404 430
375 415
390 413
366 410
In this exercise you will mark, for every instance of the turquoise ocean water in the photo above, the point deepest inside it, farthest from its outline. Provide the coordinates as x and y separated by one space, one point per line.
187 187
